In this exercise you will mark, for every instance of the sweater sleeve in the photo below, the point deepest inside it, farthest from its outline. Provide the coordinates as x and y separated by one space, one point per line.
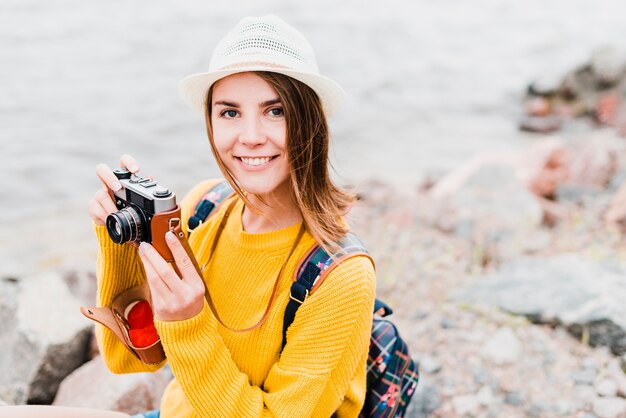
119 268
326 345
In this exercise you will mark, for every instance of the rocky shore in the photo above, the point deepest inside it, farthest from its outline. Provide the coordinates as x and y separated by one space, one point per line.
507 277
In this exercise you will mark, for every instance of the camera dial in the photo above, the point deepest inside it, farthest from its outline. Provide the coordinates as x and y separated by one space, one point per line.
122 174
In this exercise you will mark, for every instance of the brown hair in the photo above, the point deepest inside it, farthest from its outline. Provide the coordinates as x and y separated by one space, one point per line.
321 202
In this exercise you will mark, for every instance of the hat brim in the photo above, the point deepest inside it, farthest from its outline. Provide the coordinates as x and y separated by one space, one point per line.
194 88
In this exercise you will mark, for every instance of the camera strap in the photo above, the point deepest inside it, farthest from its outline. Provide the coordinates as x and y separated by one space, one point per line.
207 294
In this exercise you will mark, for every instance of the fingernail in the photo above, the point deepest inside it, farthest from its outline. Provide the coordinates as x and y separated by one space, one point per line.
117 186
142 248
170 236
132 168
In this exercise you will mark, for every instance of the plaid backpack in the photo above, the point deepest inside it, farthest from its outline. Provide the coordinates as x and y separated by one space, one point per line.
392 375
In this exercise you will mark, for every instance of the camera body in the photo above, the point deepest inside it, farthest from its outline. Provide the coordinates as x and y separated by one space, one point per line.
147 211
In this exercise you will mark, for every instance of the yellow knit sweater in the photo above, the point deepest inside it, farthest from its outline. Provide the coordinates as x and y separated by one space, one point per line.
219 373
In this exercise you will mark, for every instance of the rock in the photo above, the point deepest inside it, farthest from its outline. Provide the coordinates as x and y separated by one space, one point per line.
494 201
584 296
536 410
610 407
503 348
592 164
44 337
465 405
618 375
425 400
585 393
82 283
606 108
485 396
606 388
538 106
429 365
447 323
540 124
514 398
579 85
94 386
584 377
544 86
564 407
608 65
617 209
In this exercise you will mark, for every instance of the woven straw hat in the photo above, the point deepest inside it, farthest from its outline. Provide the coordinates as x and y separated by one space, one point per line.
264 43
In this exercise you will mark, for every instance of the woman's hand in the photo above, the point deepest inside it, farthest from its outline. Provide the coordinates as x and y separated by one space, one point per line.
101 204
174 298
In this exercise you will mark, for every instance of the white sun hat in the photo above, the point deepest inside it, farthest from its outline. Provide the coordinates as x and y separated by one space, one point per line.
264 43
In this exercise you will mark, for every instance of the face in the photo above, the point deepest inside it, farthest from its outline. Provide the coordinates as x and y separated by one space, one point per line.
250 133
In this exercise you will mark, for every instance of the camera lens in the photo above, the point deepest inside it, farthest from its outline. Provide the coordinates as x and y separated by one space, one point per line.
125 225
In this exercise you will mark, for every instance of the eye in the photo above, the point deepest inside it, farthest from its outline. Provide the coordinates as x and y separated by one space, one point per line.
276 111
229 114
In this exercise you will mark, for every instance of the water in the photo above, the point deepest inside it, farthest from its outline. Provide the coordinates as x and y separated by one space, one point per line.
429 84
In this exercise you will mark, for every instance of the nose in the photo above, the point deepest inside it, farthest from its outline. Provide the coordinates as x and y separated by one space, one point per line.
252 133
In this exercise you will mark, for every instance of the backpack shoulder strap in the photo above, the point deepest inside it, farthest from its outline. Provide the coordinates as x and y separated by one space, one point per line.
313 269
208 204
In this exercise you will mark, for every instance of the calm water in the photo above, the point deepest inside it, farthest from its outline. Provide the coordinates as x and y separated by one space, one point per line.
430 84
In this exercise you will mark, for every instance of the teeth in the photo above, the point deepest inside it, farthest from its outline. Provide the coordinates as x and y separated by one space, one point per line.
256 161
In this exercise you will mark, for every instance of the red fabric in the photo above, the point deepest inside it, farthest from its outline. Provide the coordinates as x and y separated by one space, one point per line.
142 332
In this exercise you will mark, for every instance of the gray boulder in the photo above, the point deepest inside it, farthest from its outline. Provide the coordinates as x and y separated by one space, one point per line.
425 400
94 386
585 296
43 335
491 199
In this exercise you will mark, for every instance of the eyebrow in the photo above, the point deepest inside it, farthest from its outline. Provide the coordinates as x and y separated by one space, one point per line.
233 104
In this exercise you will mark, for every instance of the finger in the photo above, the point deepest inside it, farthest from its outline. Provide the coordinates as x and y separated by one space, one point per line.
181 258
164 271
108 179
157 286
97 212
129 162
103 197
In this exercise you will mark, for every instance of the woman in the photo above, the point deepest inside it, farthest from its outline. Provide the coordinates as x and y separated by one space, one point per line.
265 108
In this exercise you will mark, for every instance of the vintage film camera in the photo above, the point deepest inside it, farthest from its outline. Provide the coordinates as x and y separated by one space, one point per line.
147 211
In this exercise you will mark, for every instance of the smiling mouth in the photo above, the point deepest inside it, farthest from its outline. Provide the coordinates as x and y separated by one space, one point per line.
255 162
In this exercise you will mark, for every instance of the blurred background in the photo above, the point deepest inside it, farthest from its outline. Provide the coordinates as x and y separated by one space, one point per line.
429 84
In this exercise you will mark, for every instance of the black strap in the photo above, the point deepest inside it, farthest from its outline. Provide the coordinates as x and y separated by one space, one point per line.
308 275
299 292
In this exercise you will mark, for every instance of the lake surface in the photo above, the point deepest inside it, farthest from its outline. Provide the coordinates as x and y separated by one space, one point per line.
429 85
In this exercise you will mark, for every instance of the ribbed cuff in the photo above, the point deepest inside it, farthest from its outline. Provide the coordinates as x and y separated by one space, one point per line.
203 327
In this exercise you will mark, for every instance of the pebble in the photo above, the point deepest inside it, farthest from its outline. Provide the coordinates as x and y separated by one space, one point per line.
425 400
504 347
514 398
465 404
585 393
535 411
429 365
606 388
480 375
609 407
584 377
485 396
447 324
